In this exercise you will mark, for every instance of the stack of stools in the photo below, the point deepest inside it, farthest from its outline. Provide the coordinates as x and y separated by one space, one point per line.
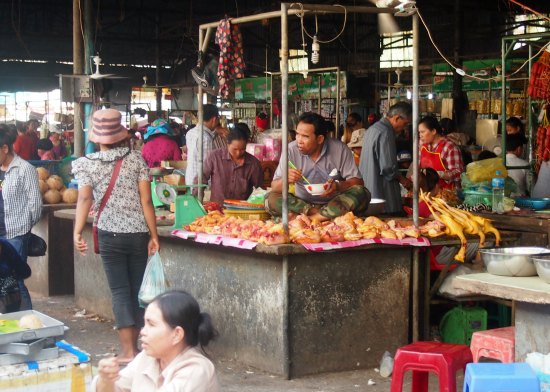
500 377
499 344
443 359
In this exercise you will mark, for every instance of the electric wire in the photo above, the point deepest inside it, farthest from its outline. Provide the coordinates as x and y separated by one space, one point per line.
456 68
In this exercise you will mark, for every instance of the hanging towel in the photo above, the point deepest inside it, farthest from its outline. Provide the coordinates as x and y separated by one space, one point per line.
231 64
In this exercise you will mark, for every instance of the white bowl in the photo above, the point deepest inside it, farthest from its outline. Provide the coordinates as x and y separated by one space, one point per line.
316 189
376 207
542 264
511 261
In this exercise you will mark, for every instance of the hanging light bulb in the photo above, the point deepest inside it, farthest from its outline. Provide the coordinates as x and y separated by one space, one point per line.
315 50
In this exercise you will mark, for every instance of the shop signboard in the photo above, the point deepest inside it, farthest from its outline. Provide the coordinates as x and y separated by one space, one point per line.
484 69
258 89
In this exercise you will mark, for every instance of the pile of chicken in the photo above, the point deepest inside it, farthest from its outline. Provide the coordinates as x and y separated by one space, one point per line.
304 230
458 223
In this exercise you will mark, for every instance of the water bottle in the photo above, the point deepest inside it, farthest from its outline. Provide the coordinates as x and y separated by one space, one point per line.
498 193
386 365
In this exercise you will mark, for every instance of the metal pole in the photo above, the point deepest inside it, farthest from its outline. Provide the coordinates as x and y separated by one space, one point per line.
320 93
158 90
78 68
284 110
87 108
337 101
200 120
503 99
415 118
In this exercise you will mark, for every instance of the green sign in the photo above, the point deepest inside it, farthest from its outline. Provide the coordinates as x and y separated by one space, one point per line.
258 89
482 69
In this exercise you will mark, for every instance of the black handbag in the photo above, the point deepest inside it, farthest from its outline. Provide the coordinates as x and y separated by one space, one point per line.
37 246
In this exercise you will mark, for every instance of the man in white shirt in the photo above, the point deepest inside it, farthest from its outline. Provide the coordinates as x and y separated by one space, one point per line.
211 119
514 150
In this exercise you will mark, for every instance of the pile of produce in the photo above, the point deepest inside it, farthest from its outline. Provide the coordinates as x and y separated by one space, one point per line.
304 230
53 189
459 222
28 321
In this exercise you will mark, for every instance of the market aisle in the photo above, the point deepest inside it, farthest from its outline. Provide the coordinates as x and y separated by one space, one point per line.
96 336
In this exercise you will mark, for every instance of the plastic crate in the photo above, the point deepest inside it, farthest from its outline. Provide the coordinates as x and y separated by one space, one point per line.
471 198
248 214
459 323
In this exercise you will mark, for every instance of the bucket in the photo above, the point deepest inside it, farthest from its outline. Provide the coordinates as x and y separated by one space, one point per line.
459 323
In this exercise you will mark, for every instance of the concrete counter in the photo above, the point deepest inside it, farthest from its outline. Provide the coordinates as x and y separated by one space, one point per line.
53 273
532 307
281 308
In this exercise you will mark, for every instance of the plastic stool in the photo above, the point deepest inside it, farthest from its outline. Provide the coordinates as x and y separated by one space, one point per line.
444 359
500 377
497 343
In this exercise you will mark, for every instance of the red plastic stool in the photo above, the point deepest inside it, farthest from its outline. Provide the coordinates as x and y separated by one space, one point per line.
497 343
444 359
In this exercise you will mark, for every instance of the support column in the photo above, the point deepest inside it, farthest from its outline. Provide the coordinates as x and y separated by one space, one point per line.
78 68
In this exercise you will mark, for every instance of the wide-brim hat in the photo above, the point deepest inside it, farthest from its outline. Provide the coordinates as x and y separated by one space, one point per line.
107 127
357 137
158 127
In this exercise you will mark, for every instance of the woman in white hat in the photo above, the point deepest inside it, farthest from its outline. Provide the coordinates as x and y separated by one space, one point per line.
127 231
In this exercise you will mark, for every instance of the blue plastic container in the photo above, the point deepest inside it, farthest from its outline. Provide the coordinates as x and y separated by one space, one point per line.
500 377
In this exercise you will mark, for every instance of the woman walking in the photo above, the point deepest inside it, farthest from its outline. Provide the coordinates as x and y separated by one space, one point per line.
118 180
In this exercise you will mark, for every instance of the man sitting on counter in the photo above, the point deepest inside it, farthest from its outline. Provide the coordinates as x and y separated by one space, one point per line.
320 160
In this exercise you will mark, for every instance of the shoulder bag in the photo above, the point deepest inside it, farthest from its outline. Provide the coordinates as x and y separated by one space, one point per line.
114 176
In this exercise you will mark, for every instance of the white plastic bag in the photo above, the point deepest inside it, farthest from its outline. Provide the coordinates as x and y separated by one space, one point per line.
154 281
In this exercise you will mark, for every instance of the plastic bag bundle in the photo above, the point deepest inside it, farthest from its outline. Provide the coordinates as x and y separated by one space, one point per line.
485 170
154 282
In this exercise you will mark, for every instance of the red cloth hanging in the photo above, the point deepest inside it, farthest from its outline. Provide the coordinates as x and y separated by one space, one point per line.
231 64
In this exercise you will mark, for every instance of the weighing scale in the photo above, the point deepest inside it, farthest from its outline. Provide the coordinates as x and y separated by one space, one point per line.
186 206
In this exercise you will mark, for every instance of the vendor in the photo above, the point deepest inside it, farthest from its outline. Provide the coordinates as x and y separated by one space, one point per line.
320 160
439 153
160 144
233 173
354 123
262 124
514 126
514 152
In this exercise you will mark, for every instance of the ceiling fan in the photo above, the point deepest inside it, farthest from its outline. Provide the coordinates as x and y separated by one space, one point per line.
96 75
386 22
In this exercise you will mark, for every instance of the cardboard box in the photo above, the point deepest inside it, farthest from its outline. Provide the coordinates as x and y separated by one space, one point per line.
258 150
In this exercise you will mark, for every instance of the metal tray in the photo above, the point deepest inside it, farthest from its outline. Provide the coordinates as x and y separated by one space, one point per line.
26 348
52 327
12 359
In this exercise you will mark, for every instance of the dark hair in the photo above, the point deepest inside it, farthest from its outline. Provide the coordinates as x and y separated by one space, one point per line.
181 309
239 132
316 120
514 141
447 125
44 144
432 124
329 125
209 111
516 123
401 109
262 116
355 116
466 156
486 154
7 137
431 178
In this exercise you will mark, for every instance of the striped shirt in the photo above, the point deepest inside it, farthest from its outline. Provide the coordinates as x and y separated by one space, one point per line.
22 198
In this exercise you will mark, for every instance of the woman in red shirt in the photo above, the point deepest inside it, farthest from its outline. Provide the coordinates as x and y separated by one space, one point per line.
160 144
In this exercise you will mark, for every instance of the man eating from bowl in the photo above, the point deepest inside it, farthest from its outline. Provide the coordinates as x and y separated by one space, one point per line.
321 160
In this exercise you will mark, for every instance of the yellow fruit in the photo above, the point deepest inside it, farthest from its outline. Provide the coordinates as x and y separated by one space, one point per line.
70 196
55 182
43 186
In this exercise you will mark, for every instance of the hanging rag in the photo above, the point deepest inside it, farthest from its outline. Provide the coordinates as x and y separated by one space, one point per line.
231 64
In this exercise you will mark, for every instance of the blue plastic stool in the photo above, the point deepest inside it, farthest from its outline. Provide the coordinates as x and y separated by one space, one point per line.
500 377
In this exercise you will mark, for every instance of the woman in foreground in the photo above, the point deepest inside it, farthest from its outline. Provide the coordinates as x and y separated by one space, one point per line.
171 359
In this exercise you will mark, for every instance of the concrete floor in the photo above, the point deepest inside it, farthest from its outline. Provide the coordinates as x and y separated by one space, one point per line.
97 337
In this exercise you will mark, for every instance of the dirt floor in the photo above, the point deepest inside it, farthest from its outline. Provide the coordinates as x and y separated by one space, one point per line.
97 337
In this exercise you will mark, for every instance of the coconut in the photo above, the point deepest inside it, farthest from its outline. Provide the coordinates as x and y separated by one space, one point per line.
43 173
70 195
43 186
52 196
62 190
55 182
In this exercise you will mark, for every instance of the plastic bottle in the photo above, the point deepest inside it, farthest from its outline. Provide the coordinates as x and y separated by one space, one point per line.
498 193
386 365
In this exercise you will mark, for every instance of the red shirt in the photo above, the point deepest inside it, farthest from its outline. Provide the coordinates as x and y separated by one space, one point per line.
160 148
24 146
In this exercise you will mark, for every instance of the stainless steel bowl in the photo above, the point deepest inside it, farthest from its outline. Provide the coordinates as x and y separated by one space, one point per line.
376 207
542 264
512 261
